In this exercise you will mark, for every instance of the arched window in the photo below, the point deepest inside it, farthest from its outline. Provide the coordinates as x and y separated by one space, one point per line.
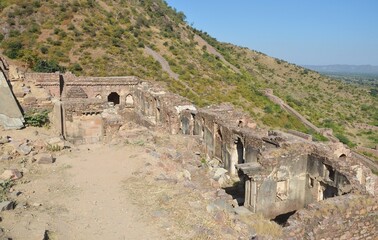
129 100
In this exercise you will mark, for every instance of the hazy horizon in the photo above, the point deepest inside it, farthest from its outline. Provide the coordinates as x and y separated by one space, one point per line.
301 32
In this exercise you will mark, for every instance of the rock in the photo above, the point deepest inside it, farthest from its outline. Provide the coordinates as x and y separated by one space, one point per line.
214 163
218 173
6 157
12 174
6 205
46 159
24 149
221 193
4 140
223 179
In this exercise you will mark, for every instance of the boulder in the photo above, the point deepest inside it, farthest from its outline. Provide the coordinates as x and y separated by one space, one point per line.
11 174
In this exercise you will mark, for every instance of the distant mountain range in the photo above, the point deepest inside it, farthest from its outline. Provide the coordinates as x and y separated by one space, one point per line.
340 68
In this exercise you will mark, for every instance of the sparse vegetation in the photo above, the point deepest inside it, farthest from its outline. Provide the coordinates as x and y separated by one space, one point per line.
37 119
110 38
5 185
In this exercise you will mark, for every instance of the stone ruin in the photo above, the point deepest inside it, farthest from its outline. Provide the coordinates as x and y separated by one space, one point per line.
304 185
10 113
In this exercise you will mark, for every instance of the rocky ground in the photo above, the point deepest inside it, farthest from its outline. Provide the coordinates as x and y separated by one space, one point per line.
139 185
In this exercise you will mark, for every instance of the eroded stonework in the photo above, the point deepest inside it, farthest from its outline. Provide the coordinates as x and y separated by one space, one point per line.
281 173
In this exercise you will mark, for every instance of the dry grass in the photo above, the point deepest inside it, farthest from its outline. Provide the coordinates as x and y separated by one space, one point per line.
172 201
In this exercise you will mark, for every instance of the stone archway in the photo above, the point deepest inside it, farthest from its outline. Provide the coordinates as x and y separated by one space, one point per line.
114 98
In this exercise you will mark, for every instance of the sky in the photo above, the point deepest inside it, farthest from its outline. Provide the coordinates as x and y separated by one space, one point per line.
305 32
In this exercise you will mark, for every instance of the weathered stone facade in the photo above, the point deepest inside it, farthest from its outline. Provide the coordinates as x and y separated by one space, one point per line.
281 172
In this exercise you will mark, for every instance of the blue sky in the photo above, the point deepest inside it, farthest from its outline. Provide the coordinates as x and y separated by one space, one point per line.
318 32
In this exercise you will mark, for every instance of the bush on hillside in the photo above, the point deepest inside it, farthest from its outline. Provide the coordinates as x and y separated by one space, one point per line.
47 66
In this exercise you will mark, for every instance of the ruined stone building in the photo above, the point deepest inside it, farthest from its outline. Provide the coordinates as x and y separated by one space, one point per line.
283 174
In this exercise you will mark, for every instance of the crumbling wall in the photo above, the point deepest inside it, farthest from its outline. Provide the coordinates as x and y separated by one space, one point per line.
159 108
51 82
225 133
100 88
344 217
291 173
82 121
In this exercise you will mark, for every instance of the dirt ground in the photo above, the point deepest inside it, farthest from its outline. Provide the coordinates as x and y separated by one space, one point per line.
144 186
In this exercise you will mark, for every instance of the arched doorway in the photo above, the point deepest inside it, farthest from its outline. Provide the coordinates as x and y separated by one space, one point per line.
240 151
114 98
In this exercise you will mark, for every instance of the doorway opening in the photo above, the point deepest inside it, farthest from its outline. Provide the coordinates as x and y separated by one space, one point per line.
114 98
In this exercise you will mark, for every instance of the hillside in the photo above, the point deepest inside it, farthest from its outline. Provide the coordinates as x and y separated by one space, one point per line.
149 39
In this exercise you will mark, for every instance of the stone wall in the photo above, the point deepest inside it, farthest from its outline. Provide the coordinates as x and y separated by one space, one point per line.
344 217
281 172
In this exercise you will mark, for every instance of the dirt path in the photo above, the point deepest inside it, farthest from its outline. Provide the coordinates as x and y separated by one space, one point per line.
81 197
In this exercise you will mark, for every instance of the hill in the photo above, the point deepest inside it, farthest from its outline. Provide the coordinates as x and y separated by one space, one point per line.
149 39
343 68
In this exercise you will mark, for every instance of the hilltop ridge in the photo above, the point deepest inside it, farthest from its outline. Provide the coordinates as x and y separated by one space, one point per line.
104 38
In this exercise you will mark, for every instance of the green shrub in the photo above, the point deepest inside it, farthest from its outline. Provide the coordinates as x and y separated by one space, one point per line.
44 49
47 66
53 147
4 189
13 48
37 118
344 139
76 68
